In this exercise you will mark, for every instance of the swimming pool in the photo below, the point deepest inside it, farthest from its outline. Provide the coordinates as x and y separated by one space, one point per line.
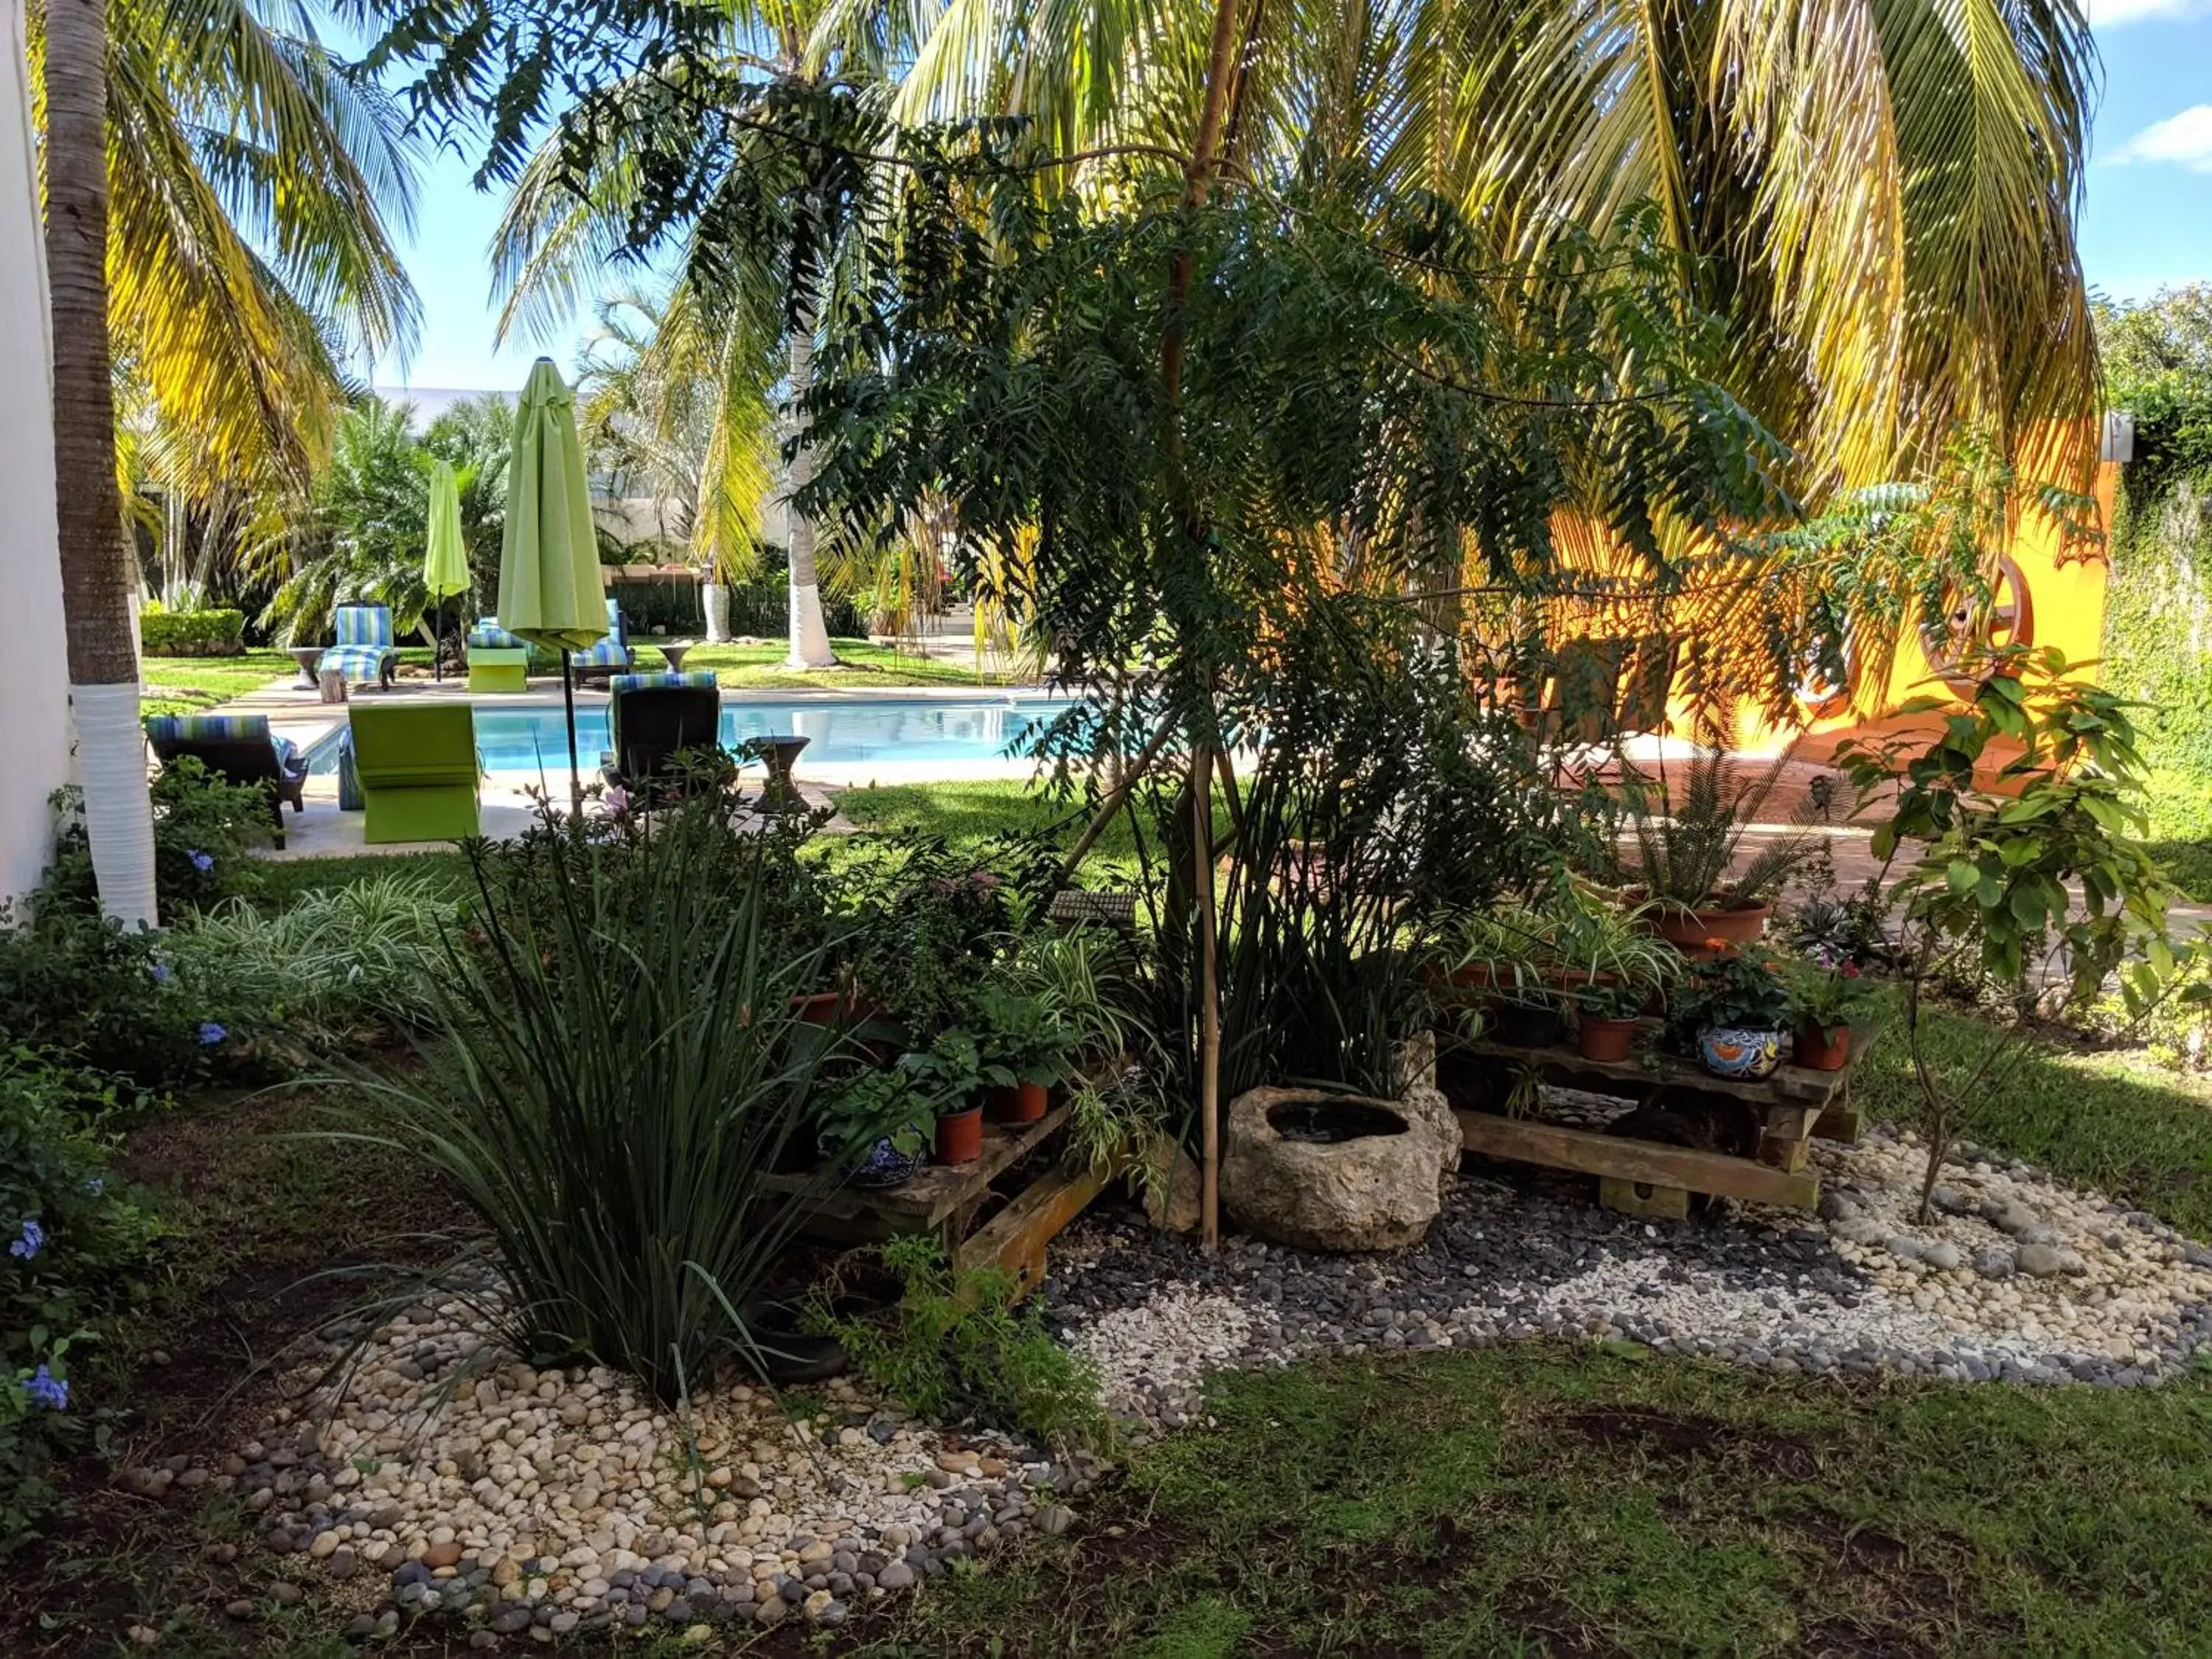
844 731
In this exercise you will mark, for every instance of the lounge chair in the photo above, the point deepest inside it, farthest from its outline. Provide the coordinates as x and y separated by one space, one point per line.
239 748
364 653
611 655
416 767
498 660
651 719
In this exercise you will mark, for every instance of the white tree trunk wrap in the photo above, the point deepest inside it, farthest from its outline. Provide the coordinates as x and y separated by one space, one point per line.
809 637
715 599
118 817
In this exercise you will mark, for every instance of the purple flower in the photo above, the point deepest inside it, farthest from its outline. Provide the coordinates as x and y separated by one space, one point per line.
211 1034
49 1390
202 862
161 973
32 1240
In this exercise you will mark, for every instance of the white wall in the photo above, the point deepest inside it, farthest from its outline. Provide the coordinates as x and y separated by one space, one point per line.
33 663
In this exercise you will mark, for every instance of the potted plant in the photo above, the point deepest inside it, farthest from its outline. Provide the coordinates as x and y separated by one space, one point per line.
1685 867
1017 1035
1824 1002
1738 1005
1605 1019
875 1128
952 1071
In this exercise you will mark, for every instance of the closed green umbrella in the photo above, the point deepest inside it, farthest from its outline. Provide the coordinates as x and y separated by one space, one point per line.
548 559
445 561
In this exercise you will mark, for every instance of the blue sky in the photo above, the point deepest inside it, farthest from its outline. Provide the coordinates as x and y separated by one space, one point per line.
2147 223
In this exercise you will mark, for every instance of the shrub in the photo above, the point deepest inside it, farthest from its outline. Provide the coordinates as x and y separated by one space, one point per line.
335 958
615 1074
955 1340
192 632
76 983
203 828
73 1236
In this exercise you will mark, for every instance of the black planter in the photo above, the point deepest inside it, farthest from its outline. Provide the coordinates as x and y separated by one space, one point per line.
787 1355
1528 1024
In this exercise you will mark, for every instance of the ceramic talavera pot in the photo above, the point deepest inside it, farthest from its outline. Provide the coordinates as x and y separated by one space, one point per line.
1745 1053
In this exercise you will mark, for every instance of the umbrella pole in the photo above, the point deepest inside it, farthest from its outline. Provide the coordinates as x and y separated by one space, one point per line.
568 702
437 641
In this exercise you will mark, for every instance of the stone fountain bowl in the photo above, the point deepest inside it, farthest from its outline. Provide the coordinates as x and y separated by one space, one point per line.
1330 1171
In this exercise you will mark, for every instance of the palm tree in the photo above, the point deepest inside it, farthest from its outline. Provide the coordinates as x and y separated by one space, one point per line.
96 574
1880 197
215 218
673 404
742 319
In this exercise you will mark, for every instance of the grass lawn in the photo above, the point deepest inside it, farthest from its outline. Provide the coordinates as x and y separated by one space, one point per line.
1534 1500
181 685
862 664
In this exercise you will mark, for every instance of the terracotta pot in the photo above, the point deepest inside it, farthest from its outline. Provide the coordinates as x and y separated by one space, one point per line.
1817 1050
1688 931
1024 1103
960 1136
1604 1039
847 1007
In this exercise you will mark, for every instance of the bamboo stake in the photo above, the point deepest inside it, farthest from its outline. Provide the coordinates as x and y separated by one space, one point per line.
1209 1026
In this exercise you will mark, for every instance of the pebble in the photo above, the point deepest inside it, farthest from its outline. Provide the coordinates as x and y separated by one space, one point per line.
558 1501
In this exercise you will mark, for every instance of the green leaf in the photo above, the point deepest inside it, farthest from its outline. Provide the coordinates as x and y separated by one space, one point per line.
1961 876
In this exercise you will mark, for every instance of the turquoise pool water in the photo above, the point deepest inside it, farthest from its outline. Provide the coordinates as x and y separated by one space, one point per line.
844 733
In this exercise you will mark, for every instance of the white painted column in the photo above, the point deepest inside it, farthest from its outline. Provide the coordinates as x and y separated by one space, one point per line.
34 716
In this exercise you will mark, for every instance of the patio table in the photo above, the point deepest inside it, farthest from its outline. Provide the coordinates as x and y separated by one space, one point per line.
306 656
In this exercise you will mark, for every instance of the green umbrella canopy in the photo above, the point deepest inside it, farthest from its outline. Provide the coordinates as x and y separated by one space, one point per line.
444 560
548 559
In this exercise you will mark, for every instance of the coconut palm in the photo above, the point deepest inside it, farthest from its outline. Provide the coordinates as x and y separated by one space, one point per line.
738 319
1879 195
217 189
674 405
103 664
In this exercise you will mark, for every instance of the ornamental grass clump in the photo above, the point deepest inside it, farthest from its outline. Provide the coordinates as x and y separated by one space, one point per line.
613 1076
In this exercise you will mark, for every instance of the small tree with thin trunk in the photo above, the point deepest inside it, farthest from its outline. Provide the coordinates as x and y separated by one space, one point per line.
2030 884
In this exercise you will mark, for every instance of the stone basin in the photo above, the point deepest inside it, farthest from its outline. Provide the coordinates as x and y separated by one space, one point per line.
1329 1171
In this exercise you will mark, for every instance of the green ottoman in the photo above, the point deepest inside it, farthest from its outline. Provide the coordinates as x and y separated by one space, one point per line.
498 668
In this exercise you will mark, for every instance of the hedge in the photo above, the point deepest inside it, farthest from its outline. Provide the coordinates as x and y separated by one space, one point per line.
192 632
762 608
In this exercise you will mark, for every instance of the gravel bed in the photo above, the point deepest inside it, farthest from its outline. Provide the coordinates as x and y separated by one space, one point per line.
451 1480
2018 1278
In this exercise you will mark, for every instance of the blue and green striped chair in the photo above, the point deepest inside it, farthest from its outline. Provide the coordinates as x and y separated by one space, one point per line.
239 748
651 719
498 660
610 655
364 653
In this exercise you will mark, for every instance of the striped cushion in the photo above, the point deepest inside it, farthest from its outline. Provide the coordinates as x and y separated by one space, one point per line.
489 635
356 662
364 624
207 728
698 678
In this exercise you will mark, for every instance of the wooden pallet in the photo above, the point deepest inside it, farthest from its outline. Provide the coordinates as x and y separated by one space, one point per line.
945 1200
1643 1177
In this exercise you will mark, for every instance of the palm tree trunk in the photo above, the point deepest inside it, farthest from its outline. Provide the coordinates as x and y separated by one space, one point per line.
809 636
97 574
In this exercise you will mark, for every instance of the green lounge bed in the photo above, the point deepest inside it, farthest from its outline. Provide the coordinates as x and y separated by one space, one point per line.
418 771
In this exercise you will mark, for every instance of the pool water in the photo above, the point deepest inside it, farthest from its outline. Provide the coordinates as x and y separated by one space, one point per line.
844 733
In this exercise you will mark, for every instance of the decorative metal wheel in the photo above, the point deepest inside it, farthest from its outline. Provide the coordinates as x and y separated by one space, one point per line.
1972 626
